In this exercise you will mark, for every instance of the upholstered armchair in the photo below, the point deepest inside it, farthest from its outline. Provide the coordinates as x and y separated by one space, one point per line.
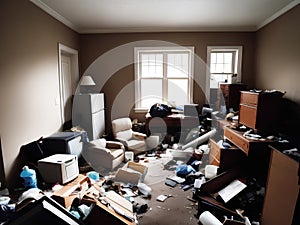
132 140
103 154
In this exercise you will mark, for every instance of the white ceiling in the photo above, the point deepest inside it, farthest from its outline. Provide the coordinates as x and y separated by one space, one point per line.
110 16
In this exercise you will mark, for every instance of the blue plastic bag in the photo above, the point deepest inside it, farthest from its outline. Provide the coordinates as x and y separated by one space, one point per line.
183 170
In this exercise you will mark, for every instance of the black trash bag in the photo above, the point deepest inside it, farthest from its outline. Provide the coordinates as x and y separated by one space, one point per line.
160 110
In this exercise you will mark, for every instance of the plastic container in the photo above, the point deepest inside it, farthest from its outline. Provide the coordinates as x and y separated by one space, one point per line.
29 177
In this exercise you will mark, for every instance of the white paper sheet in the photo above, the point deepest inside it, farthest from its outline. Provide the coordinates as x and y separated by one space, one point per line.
231 190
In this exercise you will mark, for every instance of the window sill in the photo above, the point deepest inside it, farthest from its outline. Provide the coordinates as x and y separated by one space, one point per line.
140 110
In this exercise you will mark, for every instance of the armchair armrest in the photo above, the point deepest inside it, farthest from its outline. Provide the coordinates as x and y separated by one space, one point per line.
114 144
122 140
139 135
101 150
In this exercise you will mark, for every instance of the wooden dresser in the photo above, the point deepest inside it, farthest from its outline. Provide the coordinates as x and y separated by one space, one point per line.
260 110
258 153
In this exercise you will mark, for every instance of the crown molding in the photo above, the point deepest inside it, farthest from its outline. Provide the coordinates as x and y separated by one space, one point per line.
69 24
278 14
55 14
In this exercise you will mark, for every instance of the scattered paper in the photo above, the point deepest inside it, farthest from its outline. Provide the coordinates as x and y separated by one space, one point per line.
199 182
161 198
177 179
231 190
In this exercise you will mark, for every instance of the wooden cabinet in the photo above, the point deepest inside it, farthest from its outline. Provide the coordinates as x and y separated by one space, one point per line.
225 158
260 110
257 151
281 191
231 95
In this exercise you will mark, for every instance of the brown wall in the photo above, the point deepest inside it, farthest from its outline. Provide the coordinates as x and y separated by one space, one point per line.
95 45
278 55
278 67
28 78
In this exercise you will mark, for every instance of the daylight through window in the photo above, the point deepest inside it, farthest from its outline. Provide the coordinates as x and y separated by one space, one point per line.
163 75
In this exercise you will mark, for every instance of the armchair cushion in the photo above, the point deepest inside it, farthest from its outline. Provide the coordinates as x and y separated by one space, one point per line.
98 142
126 134
122 131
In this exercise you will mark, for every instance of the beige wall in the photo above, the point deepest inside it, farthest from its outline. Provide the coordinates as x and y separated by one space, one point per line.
28 78
278 67
95 45
278 55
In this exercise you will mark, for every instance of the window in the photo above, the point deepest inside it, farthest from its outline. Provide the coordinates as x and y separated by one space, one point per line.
163 75
224 65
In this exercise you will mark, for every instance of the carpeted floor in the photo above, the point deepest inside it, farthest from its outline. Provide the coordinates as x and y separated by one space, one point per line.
176 209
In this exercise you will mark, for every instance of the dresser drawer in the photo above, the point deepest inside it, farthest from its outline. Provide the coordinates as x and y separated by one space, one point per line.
247 115
249 98
214 153
237 140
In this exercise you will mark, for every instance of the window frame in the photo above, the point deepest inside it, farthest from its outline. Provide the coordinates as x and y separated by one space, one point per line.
238 63
164 50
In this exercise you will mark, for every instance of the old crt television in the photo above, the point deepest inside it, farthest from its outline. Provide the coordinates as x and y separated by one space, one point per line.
63 143
59 168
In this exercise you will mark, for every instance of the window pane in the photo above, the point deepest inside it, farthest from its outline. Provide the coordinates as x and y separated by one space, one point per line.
213 68
213 57
219 68
151 92
178 64
151 65
220 58
227 68
178 91
228 57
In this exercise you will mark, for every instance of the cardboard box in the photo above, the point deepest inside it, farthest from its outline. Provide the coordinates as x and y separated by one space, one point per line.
72 190
132 173
119 212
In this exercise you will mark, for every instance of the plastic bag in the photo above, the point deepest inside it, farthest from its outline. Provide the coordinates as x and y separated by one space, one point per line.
183 170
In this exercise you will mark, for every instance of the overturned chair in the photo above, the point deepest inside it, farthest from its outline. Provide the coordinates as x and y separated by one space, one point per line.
103 154
132 140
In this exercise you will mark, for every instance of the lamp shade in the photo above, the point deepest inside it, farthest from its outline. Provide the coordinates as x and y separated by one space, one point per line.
87 81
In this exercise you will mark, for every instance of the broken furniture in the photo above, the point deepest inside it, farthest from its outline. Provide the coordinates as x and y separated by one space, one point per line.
132 140
257 151
103 154
74 189
170 124
112 209
44 211
282 190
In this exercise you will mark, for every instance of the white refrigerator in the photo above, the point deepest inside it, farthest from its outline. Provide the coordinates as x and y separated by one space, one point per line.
89 114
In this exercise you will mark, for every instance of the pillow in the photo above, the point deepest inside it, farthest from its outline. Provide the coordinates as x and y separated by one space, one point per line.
98 143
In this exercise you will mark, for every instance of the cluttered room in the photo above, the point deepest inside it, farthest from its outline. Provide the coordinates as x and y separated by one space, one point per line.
139 124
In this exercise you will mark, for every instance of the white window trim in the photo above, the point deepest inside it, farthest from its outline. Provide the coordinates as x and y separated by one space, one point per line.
239 49
137 51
